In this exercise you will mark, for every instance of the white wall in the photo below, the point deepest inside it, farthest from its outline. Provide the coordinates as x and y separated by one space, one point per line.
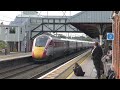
6 35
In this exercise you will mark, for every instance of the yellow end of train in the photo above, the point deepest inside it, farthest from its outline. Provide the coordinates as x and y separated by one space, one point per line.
38 52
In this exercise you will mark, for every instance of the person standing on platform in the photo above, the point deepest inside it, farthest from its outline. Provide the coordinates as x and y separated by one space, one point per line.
96 56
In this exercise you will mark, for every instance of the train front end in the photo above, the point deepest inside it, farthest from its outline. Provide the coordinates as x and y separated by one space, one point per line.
39 48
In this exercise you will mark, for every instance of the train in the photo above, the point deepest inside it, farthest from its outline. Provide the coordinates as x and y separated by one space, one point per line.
47 48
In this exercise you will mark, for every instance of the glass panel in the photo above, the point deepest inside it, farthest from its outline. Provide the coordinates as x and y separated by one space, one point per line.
41 41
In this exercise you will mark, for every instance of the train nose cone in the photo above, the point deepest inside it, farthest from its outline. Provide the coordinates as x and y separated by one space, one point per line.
38 52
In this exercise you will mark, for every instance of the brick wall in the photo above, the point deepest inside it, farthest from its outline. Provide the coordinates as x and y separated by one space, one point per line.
116 45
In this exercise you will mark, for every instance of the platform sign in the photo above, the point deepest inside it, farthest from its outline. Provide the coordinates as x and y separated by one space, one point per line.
110 36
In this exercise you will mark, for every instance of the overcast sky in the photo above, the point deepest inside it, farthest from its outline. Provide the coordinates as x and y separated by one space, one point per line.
7 16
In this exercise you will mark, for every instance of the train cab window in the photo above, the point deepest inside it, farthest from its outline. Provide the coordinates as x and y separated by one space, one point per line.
51 43
41 41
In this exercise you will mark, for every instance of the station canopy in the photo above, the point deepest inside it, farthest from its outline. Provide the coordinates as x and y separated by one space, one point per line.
92 23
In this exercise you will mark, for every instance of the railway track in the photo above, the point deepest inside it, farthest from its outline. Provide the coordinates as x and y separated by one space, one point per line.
12 72
33 71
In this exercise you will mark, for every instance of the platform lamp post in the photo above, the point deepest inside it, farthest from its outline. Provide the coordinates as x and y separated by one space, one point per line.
100 39
6 32
18 39
25 41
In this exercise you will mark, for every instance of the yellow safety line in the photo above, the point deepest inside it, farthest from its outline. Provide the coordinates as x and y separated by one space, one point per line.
80 64
70 75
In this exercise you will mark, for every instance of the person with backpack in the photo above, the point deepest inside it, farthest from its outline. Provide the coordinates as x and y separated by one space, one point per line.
78 70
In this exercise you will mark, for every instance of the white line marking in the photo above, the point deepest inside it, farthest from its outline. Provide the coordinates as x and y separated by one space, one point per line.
14 57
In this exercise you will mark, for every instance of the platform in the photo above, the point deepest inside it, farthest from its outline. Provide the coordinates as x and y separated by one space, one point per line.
14 55
65 71
88 68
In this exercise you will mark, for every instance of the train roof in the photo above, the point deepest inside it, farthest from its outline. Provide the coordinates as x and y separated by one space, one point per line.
52 36
77 40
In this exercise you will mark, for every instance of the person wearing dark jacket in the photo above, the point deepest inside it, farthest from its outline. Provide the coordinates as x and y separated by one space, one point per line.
78 70
96 56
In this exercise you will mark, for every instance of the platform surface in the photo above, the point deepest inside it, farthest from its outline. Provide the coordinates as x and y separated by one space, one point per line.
14 55
88 68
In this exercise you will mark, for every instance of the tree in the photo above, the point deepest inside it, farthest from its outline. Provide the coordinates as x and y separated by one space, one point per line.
2 44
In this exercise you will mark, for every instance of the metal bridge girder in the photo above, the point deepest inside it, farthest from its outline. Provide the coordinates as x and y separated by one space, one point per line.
57 25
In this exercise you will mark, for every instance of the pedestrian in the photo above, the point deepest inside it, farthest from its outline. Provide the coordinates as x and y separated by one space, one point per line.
5 51
109 53
96 56
78 70
108 56
107 59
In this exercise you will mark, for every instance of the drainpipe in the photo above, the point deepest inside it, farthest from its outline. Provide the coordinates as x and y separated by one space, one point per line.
100 36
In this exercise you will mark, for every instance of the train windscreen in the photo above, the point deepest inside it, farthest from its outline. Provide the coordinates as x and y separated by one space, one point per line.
41 41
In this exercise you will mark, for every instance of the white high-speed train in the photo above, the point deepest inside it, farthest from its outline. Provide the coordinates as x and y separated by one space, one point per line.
46 47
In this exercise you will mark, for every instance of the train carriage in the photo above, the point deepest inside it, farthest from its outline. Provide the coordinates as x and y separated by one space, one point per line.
46 47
